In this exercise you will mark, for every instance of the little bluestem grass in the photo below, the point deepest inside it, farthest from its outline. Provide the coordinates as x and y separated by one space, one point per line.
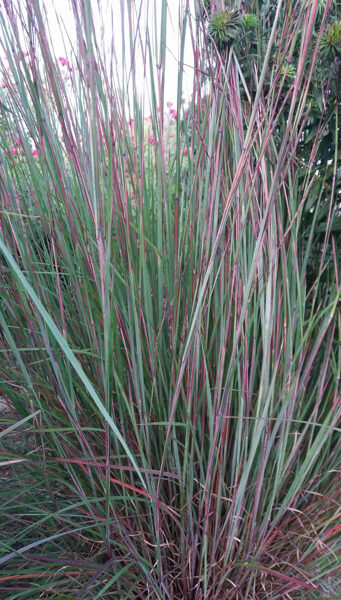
169 349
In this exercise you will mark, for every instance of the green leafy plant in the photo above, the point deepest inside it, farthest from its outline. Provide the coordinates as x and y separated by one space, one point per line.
288 70
224 27
331 40
250 21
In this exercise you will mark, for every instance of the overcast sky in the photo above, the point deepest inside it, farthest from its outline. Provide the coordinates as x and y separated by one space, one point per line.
146 9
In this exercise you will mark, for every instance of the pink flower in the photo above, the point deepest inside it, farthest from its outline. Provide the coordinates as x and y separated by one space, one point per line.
169 104
174 114
17 141
3 85
62 61
13 151
131 122
70 69
34 152
151 139
183 100
185 152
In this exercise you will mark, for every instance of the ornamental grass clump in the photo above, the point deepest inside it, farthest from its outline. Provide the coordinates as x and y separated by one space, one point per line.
170 350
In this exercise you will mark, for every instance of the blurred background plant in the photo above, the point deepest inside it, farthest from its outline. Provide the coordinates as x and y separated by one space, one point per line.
170 308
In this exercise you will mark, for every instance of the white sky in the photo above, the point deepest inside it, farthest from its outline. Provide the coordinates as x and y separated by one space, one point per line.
146 9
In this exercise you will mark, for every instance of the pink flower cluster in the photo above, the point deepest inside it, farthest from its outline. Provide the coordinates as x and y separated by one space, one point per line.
151 140
15 151
64 62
